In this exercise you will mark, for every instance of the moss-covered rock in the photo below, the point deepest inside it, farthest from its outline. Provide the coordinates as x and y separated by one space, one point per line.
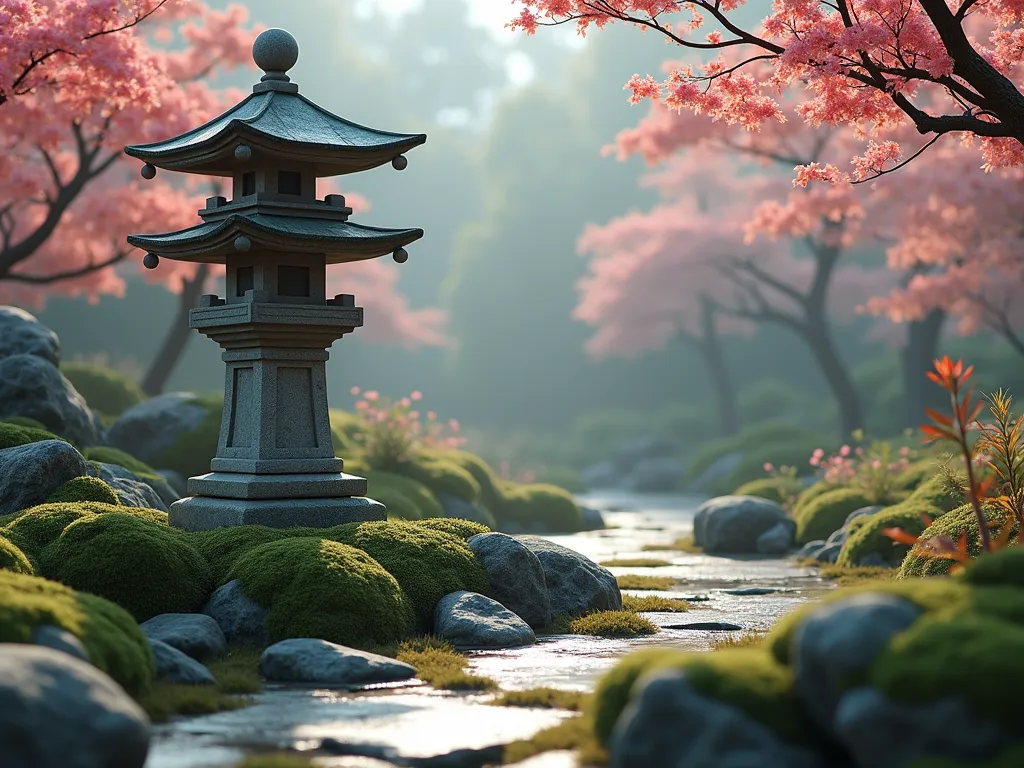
222 547
936 492
869 534
428 564
104 389
140 564
777 489
491 486
324 589
191 452
13 559
817 519
35 528
548 505
85 488
438 474
748 678
463 529
107 455
918 472
111 637
1004 568
404 497
953 525
811 493
25 421
12 434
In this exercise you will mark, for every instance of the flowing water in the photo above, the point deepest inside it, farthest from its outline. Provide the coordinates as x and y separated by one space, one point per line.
417 721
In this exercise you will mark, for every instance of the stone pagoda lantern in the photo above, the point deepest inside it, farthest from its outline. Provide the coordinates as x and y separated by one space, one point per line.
275 462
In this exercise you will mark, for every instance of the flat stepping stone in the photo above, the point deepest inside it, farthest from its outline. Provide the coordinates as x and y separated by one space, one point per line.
471 621
319 662
707 626
751 591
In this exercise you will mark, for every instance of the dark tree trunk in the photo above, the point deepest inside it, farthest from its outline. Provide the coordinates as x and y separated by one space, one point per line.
819 339
916 359
709 344
177 337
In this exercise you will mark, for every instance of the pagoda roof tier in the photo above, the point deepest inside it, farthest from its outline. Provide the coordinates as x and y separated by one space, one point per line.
211 242
278 124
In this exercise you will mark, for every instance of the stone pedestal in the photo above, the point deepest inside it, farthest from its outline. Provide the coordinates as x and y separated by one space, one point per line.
275 462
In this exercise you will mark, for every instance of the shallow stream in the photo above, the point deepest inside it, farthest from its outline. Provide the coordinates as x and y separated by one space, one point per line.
417 721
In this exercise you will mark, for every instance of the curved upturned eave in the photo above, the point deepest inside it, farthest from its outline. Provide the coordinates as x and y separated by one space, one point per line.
214 155
212 242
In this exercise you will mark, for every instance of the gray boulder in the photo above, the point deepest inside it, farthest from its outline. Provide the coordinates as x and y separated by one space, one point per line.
148 429
862 512
471 621
776 540
733 524
318 662
32 387
59 639
453 506
576 584
242 620
593 520
59 712
719 468
516 576
194 634
669 724
839 641
22 334
879 733
173 666
30 473
134 493
811 548
156 492
656 475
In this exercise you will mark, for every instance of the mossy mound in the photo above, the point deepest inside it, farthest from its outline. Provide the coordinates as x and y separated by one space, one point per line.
12 435
1005 568
548 505
952 525
222 547
140 564
438 474
868 536
85 489
491 493
113 640
191 452
104 389
36 527
748 678
404 497
811 493
463 529
428 564
918 472
777 489
107 455
936 492
24 421
324 589
13 559
818 518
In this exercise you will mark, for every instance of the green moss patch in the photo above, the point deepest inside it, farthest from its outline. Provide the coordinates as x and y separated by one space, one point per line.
575 734
846 577
654 604
135 562
107 455
411 500
104 389
12 435
811 493
438 664
919 562
817 519
166 701
777 489
85 489
632 581
438 474
238 671
548 505
543 698
13 559
869 535
111 637
222 547
1004 568
454 526
323 589
428 564
753 638
937 493
34 528
622 623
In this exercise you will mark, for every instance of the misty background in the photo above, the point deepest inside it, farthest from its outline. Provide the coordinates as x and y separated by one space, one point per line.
511 172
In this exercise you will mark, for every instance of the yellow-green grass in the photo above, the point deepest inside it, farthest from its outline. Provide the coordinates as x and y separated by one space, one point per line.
846 577
576 733
438 664
635 562
685 544
238 671
750 639
635 581
167 700
612 624
653 603
543 698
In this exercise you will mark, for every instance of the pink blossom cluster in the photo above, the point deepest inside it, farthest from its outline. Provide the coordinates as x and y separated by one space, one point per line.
395 430
524 476
860 466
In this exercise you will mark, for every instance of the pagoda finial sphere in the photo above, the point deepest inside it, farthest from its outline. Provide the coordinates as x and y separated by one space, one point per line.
400 256
243 153
148 171
275 51
400 162
242 243
151 261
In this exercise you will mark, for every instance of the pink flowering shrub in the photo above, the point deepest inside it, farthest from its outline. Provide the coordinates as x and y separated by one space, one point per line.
395 431
873 469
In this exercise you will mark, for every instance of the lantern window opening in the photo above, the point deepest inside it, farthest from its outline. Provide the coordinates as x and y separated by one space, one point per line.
248 183
245 280
293 281
289 183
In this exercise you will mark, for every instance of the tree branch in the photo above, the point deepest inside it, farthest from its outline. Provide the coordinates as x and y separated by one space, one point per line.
68 275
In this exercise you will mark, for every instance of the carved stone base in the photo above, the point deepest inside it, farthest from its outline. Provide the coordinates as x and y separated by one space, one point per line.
204 513
234 485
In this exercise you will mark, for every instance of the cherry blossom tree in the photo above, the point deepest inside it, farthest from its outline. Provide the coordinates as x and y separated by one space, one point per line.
80 79
943 66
